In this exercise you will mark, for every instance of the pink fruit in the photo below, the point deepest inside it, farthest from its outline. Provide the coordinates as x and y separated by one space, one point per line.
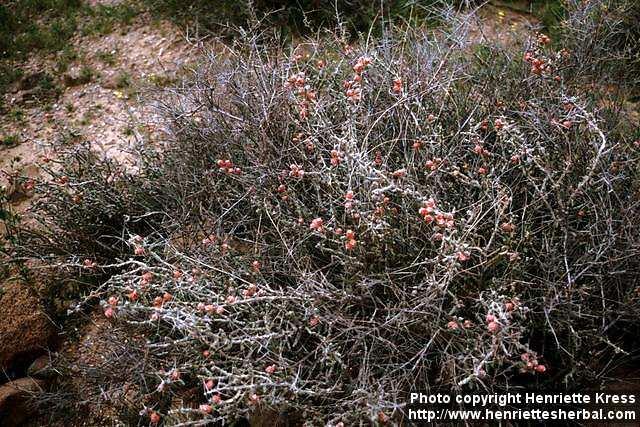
493 327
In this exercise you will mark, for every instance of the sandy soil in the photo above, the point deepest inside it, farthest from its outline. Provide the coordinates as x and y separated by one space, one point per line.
106 111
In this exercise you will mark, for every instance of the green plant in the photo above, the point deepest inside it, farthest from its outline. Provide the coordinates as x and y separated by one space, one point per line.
65 58
104 19
123 80
87 74
10 141
108 57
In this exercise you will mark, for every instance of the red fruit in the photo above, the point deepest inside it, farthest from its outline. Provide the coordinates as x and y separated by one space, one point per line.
490 318
177 274
493 327
270 369
207 409
397 85
378 159
209 385
250 291
316 224
154 417
256 265
109 313
350 244
167 297
544 39
541 369
507 227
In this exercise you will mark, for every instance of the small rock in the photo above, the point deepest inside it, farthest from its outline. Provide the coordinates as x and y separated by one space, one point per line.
14 400
25 330
41 368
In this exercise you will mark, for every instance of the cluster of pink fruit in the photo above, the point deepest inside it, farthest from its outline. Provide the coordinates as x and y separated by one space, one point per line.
317 224
531 364
352 87
227 166
430 213
455 325
304 92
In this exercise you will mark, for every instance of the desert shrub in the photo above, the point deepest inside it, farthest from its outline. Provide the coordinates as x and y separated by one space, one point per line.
605 36
329 227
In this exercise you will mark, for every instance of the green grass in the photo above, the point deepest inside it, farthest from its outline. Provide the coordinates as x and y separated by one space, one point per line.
65 57
123 80
104 19
107 57
28 26
10 141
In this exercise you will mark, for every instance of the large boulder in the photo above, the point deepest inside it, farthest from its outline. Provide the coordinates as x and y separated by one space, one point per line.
14 400
25 330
